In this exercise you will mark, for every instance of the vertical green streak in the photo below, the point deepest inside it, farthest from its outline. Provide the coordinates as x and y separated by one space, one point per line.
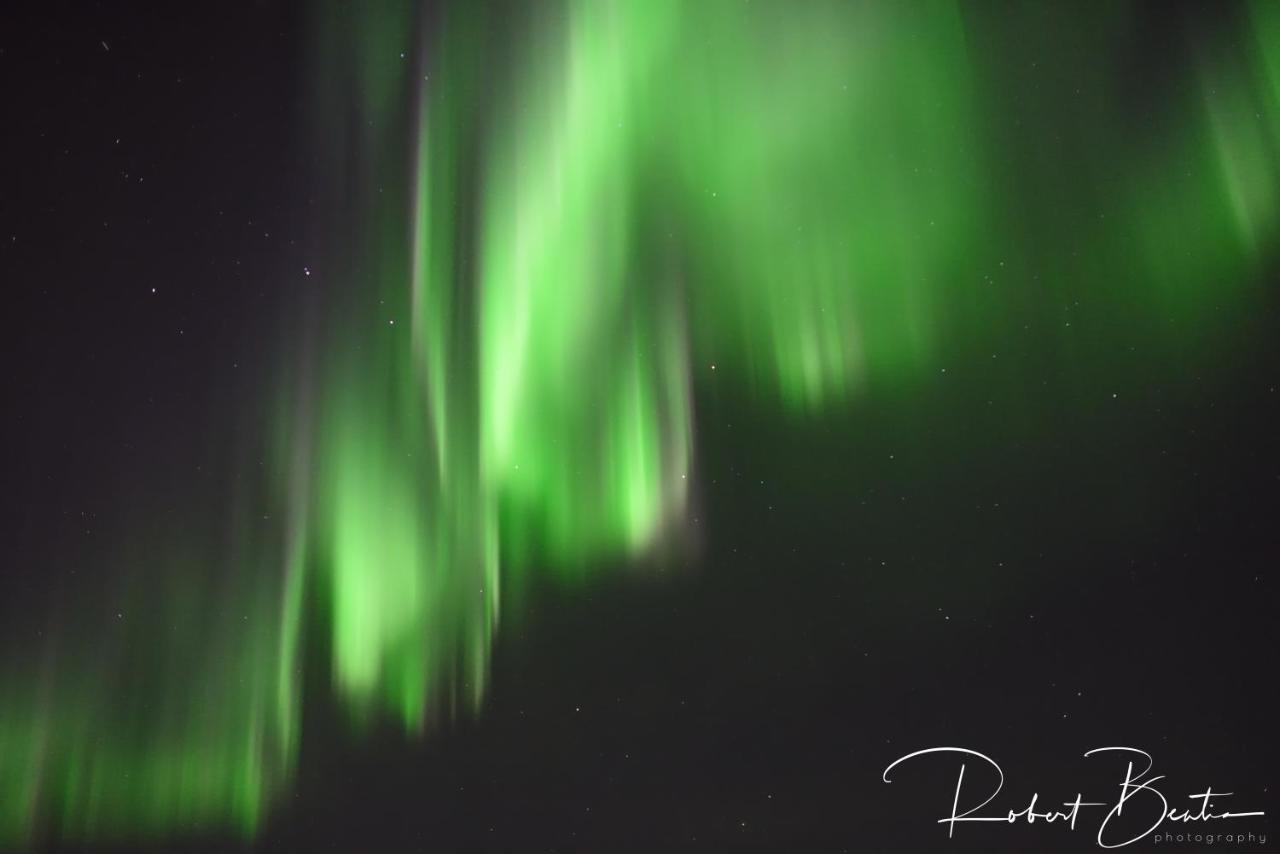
583 383
829 200
1204 206
407 535
184 716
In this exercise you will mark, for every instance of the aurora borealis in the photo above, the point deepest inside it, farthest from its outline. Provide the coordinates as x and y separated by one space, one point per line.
554 238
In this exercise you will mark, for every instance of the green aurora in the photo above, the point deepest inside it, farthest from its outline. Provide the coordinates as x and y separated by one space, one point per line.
799 200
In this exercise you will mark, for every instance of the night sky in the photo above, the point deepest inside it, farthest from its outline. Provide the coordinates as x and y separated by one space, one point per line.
803 386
